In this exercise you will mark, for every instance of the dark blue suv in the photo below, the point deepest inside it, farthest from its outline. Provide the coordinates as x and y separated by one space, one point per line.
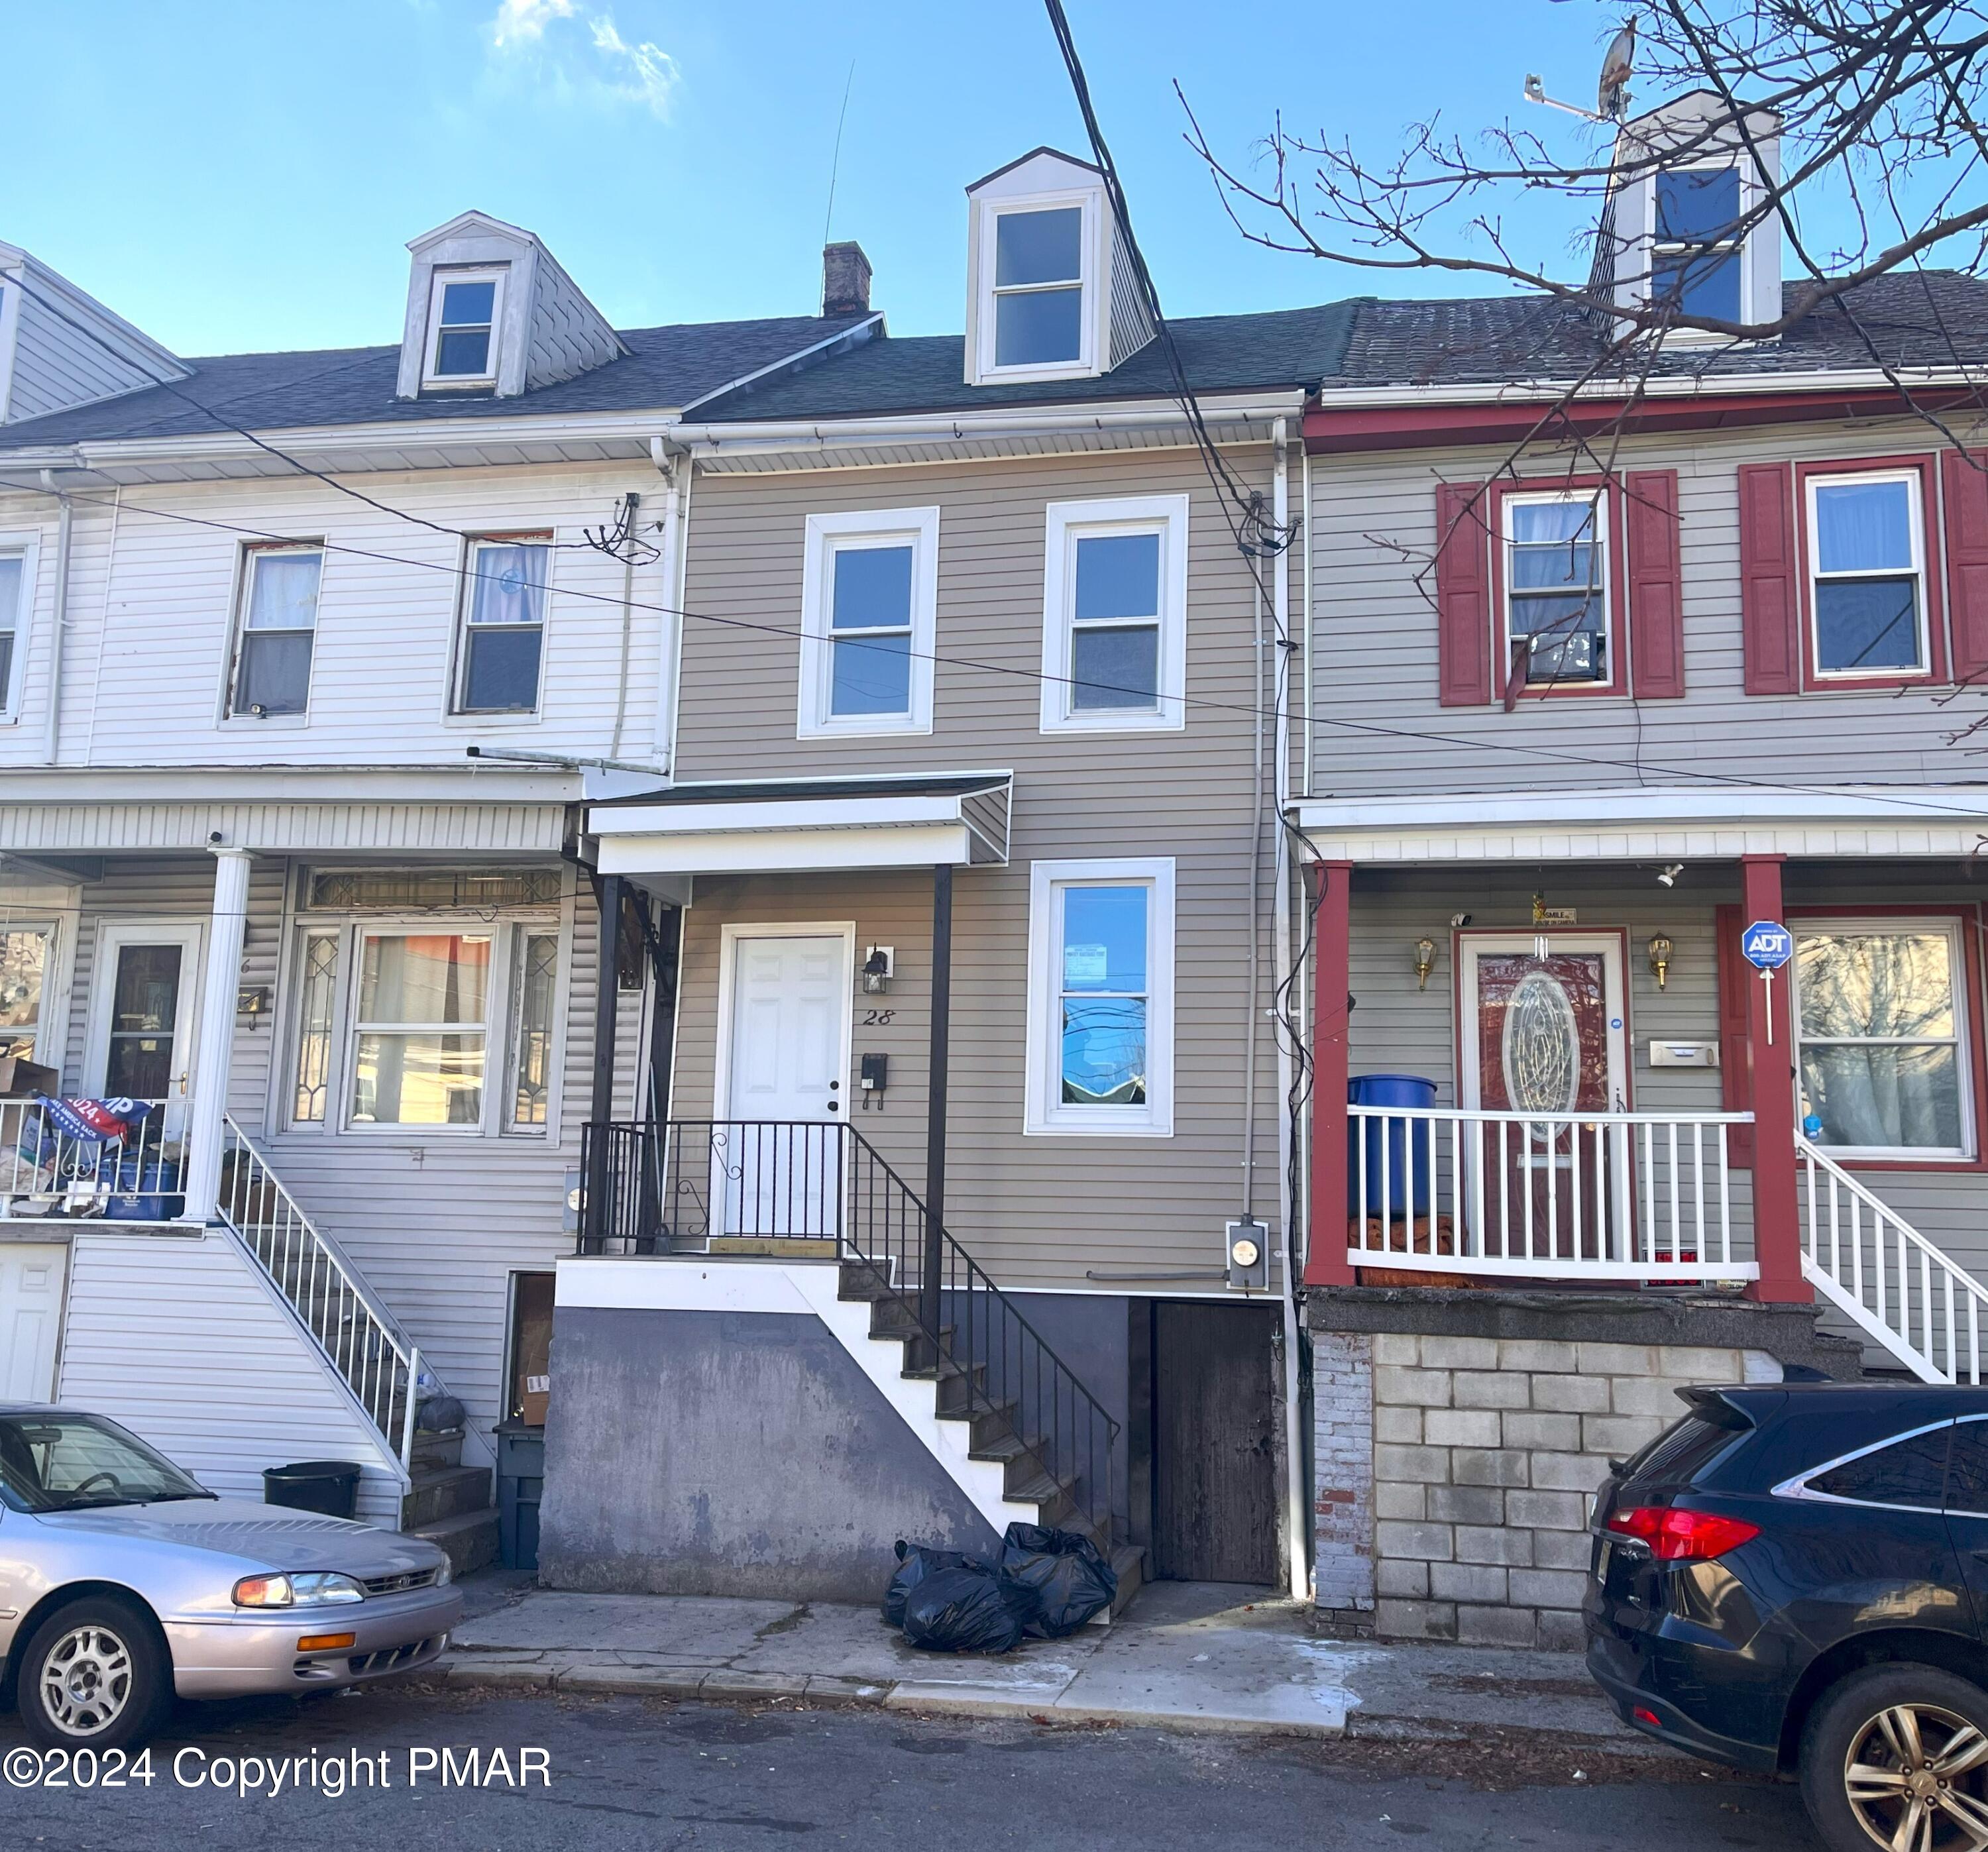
1794 1580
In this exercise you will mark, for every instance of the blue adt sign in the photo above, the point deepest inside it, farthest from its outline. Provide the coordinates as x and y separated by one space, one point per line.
1766 946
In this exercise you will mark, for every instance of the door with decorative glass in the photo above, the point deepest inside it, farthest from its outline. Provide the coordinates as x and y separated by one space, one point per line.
1543 1040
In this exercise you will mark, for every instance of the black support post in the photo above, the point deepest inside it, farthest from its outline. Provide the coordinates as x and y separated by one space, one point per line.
941 1030
600 1110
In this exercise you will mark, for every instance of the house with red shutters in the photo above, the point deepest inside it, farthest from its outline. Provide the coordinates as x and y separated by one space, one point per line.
1643 823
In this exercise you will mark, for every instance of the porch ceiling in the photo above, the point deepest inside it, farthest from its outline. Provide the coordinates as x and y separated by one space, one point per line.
1649 822
959 819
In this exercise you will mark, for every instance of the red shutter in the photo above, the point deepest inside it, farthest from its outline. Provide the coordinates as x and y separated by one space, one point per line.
1965 494
1656 586
1462 594
1769 607
1735 1050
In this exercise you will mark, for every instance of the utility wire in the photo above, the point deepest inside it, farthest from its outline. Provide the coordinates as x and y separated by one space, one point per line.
1365 728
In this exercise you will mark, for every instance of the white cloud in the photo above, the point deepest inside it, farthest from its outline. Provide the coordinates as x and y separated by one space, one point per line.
532 39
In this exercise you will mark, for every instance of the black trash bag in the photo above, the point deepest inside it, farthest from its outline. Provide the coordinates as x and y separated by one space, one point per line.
1055 1580
915 1562
961 1610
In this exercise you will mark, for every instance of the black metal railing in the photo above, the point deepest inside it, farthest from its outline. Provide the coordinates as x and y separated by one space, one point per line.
677 1185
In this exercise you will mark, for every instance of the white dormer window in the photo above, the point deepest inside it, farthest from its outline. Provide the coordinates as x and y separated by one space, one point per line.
1039 318
464 306
1697 255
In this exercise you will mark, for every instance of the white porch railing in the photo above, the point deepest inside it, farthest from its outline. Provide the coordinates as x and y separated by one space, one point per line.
1886 1277
1599 1196
380 1365
49 1167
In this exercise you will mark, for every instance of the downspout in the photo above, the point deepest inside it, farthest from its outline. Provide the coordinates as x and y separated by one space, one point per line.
52 720
674 465
1255 911
1304 535
1297 1493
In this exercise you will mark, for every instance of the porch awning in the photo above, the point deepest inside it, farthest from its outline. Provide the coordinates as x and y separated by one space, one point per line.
807 825
1710 822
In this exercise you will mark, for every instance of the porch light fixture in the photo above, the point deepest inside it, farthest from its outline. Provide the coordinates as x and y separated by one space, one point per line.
1424 962
1660 949
1668 877
876 970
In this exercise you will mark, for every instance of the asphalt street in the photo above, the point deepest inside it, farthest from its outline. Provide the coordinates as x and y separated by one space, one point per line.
620 1773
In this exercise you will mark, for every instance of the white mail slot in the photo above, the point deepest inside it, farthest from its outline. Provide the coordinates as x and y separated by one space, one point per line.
1684 1054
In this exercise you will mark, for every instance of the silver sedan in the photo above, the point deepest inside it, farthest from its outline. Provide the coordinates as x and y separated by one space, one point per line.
123 1582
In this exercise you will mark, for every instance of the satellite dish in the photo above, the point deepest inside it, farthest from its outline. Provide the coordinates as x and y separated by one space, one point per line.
1612 95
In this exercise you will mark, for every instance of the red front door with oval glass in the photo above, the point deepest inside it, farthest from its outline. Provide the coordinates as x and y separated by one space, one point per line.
1544 1042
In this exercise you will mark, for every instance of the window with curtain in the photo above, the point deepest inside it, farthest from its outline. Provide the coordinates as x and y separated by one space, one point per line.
420 1033
13 588
1881 1019
1555 585
24 964
1867 603
504 611
278 628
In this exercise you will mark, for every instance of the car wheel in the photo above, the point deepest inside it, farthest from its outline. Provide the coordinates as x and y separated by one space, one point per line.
1896 1756
95 1676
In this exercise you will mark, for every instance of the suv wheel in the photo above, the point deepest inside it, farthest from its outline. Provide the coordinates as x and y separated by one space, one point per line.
1896 1757
95 1676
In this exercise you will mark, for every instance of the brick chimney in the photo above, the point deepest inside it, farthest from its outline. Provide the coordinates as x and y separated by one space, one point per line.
845 280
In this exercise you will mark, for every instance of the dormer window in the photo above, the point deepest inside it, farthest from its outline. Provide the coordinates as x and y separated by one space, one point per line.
1038 287
464 305
1696 258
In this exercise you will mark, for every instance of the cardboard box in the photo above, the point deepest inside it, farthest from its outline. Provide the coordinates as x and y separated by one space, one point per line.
20 1077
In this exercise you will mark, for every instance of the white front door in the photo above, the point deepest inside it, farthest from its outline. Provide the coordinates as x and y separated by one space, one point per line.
142 1013
786 1076
31 1304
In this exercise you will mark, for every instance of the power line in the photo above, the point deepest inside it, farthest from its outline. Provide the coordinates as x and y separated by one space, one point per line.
1365 728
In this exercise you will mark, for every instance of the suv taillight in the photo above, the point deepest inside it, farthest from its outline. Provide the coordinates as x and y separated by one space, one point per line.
1682 1537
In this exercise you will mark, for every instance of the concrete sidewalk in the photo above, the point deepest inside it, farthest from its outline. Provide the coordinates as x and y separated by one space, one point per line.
1187 1655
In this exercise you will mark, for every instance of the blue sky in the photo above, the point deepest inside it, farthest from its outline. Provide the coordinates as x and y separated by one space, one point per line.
243 176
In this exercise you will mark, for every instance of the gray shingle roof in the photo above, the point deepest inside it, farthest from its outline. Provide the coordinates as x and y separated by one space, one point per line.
927 373
665 368
1937 318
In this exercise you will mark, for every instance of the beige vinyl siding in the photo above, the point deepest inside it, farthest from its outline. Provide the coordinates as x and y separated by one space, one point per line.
151 616
1036 1210
184 1339
1373 525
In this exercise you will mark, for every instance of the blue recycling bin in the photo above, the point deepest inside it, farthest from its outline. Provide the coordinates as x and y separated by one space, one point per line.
1397 1094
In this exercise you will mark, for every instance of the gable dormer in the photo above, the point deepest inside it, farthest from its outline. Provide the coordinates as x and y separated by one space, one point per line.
60 348
1684 178
1051 290
490 311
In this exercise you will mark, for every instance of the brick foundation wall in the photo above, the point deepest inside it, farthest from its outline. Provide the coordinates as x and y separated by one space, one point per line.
1342 1389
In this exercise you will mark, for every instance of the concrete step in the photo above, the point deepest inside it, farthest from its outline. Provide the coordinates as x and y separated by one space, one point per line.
1128 1562
435 1452
468 1540
444 1491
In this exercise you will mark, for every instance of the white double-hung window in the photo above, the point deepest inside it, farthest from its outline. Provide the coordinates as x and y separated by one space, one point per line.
1101 998
1114 615
1866 573
503 643
17 589
277 633
869 621
464 308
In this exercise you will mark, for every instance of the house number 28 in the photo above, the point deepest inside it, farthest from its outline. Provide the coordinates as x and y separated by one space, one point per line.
877 1019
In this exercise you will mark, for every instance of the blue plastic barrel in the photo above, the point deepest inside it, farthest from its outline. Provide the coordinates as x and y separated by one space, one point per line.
1403 1094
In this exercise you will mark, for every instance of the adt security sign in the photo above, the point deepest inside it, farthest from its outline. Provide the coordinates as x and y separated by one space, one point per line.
1766 946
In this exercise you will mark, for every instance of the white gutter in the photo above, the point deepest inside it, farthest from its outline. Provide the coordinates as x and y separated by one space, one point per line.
51 720
1688 386
1544 812
1297 1488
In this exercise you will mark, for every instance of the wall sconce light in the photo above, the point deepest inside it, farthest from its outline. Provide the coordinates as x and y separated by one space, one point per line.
876 970
1668 877
1661 949
1424 961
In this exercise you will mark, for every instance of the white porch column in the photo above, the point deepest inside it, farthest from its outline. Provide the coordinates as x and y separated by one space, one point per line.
216 1040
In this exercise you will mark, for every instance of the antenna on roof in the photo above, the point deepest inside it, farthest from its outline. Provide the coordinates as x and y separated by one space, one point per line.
1612 97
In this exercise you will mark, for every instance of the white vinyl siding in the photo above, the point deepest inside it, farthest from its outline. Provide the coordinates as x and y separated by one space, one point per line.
869 621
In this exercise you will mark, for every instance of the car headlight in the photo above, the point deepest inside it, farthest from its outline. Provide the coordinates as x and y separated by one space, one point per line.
318 1588
444 1575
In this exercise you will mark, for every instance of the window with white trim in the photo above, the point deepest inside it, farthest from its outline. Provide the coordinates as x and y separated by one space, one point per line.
276 633
464 306
500 652
1100 998
1867 574
1557 603
1698 260
24 972
1114 616
869 610
17 589
1882 1026
419 1032
1036 266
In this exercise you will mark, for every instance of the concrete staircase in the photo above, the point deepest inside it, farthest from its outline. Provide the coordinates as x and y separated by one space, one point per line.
960 1395
449 1504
